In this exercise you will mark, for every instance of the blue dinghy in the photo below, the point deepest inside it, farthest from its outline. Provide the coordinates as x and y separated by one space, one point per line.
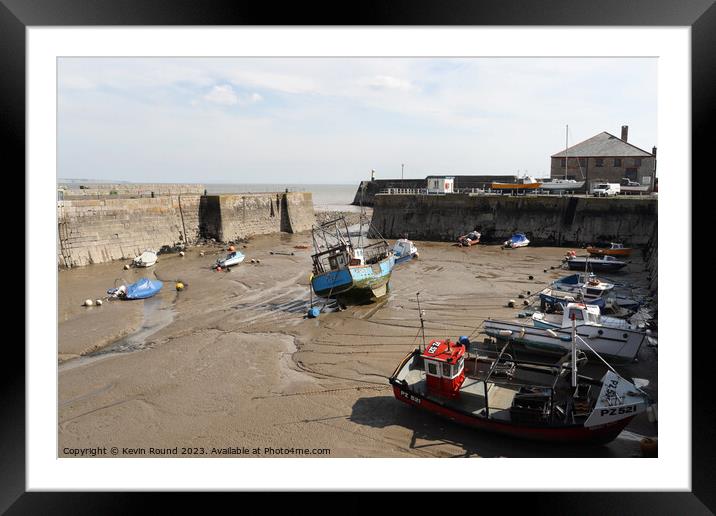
143 289
517 240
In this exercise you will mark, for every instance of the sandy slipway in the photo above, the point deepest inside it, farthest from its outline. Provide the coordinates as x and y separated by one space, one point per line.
230 366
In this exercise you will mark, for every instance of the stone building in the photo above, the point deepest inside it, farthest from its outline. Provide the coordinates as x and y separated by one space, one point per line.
607 158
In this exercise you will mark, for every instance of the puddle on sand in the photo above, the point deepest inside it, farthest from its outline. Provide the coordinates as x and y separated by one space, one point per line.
155 317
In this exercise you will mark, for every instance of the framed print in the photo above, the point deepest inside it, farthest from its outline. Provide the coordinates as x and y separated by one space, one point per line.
293 257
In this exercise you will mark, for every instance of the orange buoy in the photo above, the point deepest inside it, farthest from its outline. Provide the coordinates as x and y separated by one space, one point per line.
232 248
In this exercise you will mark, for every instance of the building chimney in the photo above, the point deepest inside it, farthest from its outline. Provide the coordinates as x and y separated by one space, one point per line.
653 151
625 132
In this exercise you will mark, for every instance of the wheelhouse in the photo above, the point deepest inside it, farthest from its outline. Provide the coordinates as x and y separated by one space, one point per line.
444 363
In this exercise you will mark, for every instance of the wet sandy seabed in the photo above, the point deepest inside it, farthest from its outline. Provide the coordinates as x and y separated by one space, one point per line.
230 362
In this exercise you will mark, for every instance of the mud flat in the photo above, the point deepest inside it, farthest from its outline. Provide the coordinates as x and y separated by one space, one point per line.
230 363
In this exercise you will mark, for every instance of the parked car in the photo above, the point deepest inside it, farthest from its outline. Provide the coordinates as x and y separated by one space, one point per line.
628 182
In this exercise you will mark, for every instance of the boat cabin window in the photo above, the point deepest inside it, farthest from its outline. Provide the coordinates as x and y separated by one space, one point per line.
576 313
593 291
592 318
443 369
337 261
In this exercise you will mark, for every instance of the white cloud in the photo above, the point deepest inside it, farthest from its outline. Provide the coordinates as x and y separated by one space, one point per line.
388 82
223 94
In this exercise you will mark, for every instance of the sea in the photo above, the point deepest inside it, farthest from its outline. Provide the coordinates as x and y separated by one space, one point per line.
325 197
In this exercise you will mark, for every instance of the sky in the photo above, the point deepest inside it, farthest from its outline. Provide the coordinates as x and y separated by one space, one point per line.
333 120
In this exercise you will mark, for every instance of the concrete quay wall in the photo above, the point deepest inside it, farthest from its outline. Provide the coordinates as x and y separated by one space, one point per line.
235 216
546 220
105 229
96 190
100 230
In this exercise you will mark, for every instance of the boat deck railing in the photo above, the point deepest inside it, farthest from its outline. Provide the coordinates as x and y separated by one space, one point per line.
529 192
373 253
403 191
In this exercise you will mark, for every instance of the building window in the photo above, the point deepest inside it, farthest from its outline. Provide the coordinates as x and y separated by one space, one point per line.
617 162
599 162
631 174
563 162
637 162
583 162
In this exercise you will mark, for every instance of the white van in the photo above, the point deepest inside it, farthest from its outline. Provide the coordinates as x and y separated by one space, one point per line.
606 189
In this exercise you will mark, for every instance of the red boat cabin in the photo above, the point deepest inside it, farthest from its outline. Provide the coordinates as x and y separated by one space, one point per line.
444 367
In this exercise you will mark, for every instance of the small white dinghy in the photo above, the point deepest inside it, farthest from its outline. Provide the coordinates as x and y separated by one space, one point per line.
146 259
585 314
404 250
233 258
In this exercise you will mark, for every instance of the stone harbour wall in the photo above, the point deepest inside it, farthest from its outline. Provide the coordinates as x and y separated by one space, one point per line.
100 230
546 220
107 228
96 190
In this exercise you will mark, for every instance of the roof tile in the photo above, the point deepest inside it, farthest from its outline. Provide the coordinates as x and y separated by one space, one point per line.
602 145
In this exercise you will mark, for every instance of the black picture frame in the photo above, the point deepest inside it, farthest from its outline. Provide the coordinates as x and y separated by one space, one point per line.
700 15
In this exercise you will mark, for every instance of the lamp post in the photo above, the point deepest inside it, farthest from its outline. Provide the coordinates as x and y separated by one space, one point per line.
402 167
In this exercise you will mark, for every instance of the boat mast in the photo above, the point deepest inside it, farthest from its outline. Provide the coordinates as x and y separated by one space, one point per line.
566 154
422 323
574 351
361 216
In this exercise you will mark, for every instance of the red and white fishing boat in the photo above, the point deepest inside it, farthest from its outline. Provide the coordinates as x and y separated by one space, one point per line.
530 400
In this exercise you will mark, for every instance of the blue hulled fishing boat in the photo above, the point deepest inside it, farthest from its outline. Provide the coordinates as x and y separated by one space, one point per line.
588 289
342 269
